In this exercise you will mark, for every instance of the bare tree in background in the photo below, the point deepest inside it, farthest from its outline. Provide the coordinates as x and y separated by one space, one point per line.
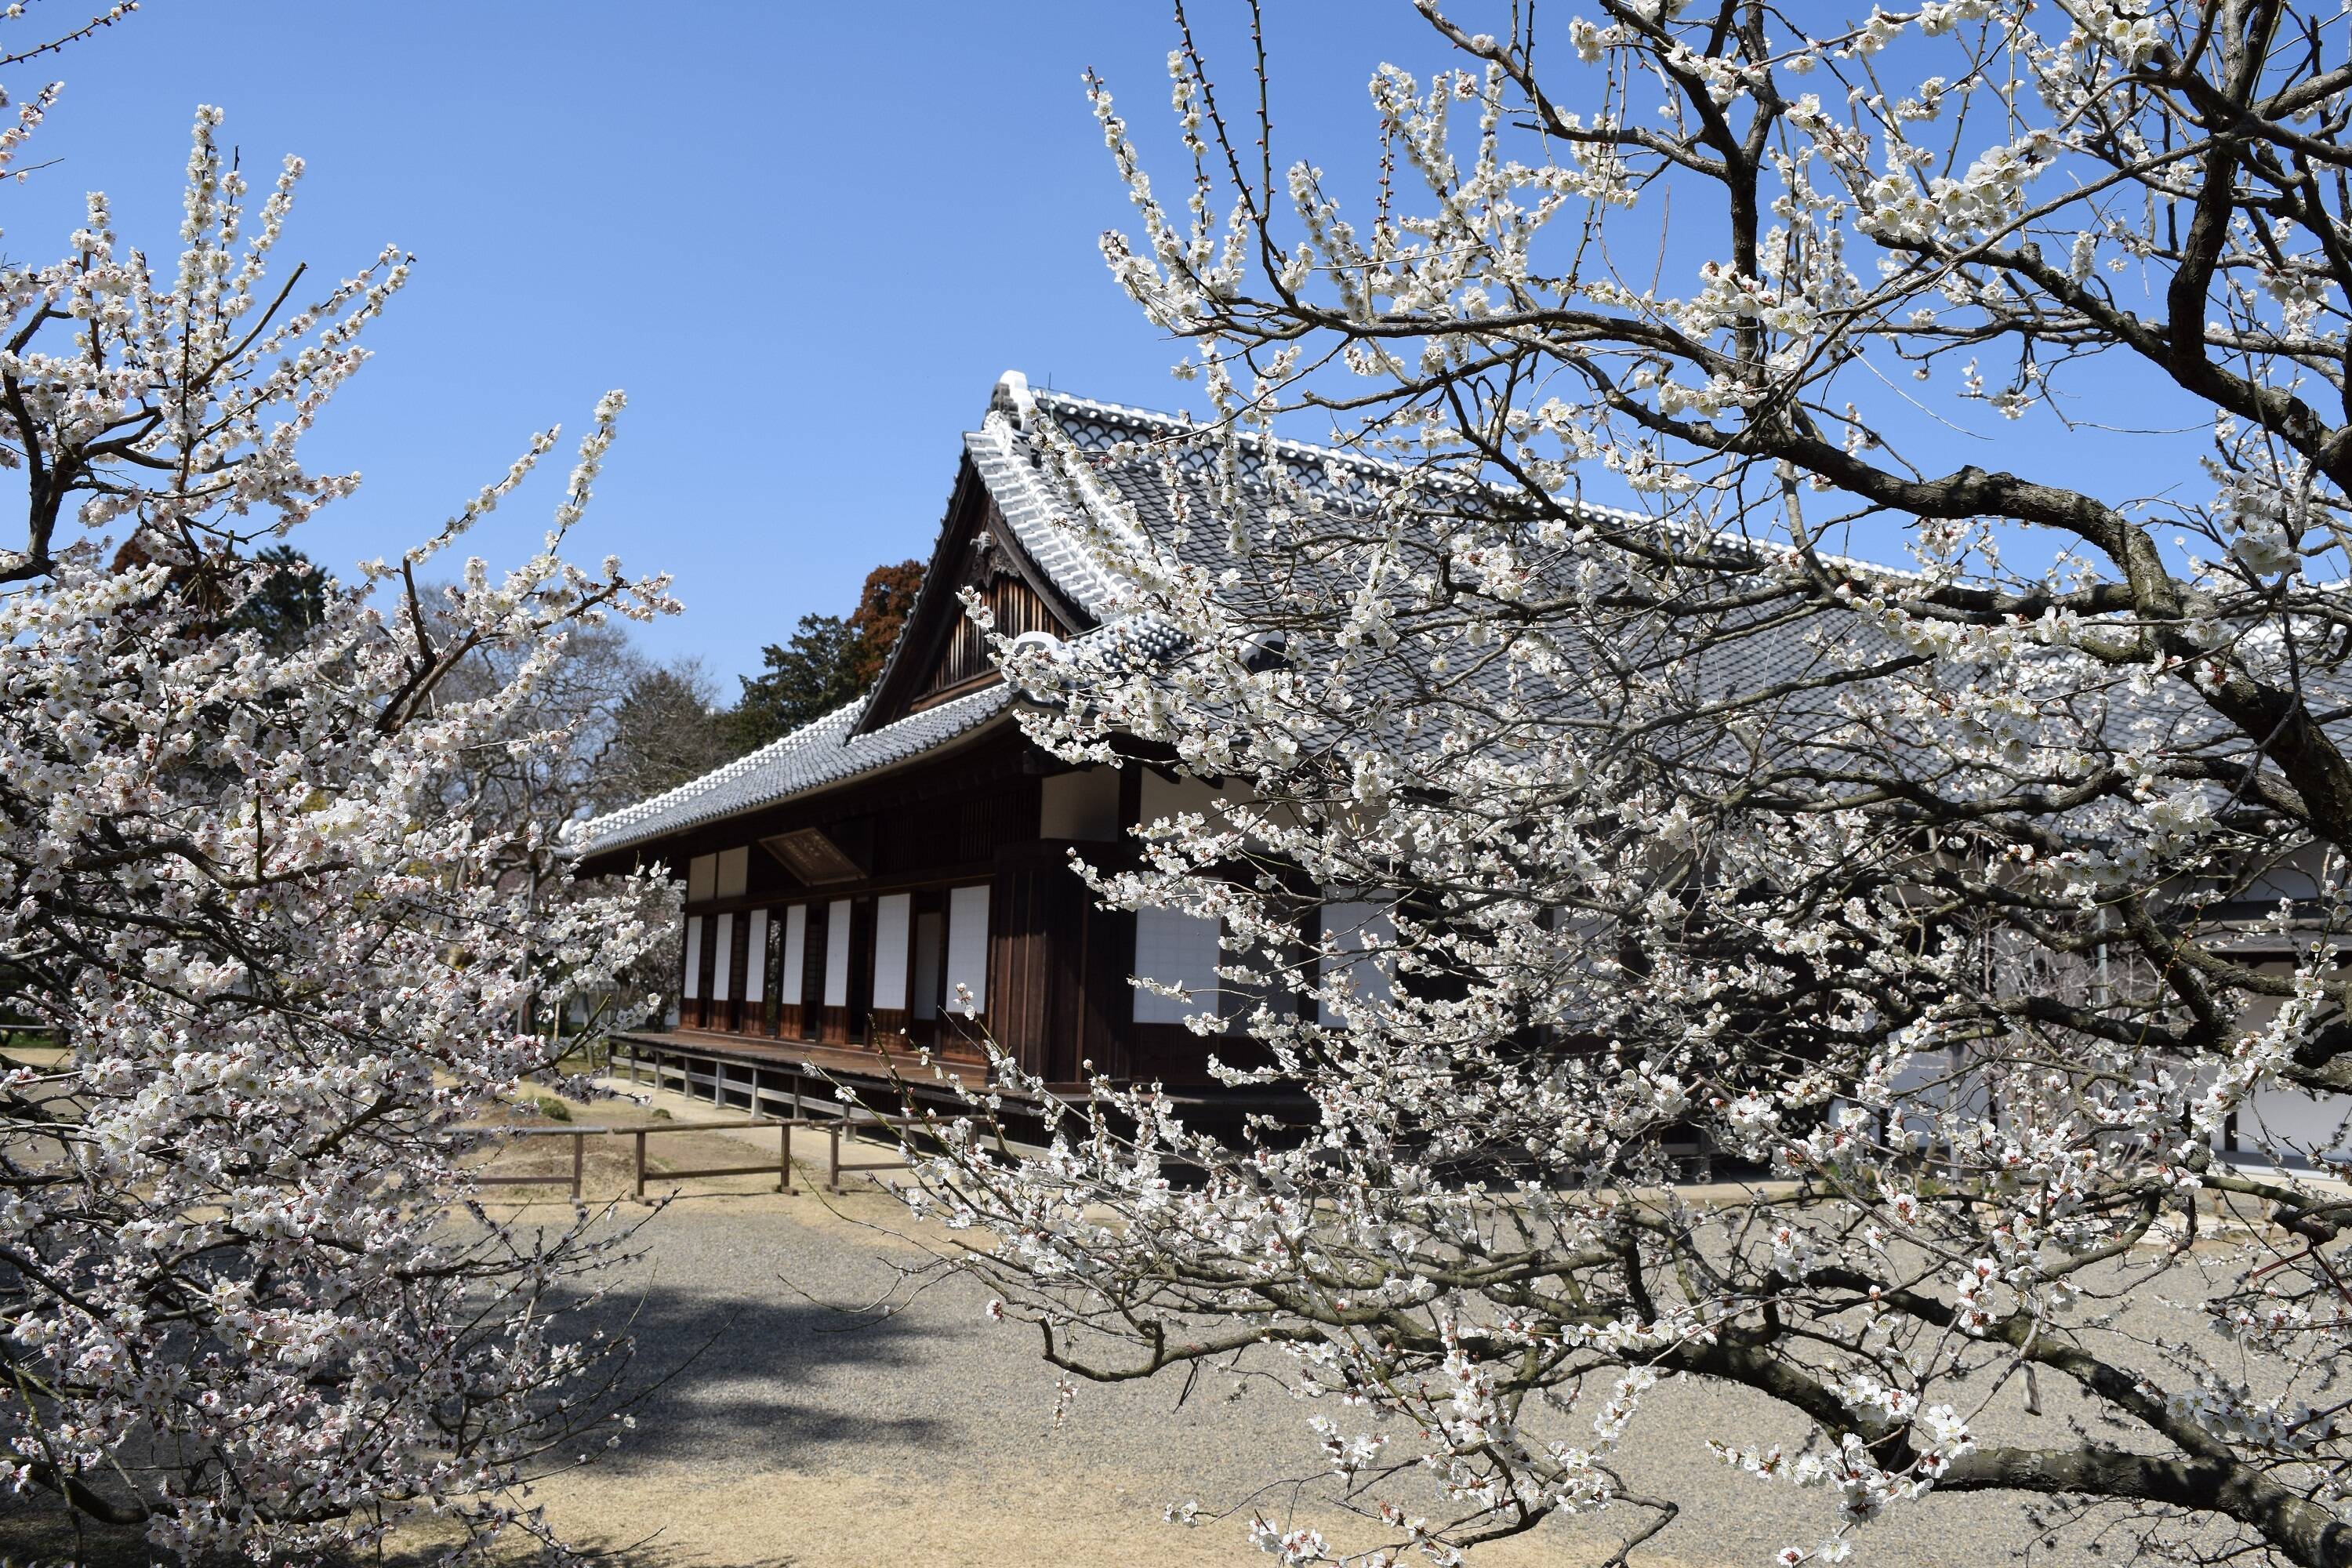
602 727
668 729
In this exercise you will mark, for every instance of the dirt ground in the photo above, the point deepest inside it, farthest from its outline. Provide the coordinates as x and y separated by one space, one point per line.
808 1437
790 1429
807 1433
783 1421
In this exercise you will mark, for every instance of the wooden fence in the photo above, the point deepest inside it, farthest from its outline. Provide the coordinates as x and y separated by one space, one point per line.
834 1128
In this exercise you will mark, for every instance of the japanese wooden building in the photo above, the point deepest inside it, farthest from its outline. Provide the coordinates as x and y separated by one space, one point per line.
896 875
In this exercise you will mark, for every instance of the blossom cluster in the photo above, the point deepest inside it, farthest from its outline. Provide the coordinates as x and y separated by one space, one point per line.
253 1305
1976 912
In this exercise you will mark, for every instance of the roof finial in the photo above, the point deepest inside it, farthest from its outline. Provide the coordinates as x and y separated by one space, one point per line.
1013 396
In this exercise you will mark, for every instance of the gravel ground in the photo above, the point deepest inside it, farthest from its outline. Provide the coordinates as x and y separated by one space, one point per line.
779 1424
793 1429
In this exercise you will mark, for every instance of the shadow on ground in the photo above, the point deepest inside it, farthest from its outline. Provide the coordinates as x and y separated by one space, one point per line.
714 1378
33 1535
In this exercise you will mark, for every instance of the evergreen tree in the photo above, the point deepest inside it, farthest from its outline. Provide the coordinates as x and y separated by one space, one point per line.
828 660
290 600
805 679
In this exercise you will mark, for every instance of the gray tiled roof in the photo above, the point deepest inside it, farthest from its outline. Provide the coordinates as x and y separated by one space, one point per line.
831 749
1125 489
825 752
1143 462
1002 458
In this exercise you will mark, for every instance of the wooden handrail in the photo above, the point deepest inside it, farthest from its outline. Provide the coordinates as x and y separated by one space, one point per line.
833 1126
580 1128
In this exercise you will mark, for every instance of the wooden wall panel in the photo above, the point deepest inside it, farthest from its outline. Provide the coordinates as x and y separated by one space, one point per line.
1062 901
812 1008
705 1007
1169 1052
861 970
739 1007
963 1039
964 659
771 976
1102 1000
1015 942
1062 966
1176 1056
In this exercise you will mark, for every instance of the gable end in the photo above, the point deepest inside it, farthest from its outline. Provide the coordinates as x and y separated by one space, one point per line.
941 655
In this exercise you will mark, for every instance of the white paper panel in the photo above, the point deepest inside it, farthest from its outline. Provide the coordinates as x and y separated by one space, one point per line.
1175 949
694 957
890 916
836 953
722 958
967 945
795 984
1347 926
755 965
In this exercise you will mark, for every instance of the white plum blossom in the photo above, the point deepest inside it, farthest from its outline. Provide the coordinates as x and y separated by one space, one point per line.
253 1306
1973 903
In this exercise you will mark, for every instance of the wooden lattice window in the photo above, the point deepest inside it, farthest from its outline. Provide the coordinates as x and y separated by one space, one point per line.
1015 607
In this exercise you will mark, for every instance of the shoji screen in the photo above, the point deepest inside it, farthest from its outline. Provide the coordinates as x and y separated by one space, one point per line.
891 916
692 990
795 986
723 967
1175 949
967 945
755 970
836 953
1355 928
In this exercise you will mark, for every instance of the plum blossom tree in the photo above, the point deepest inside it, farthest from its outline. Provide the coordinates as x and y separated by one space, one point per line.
1973 908
248 1299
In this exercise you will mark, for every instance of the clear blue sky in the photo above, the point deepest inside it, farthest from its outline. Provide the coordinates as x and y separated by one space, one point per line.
805 238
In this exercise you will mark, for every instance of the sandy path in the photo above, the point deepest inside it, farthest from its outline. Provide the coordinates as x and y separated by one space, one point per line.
809 1435
806 1436
789 1428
